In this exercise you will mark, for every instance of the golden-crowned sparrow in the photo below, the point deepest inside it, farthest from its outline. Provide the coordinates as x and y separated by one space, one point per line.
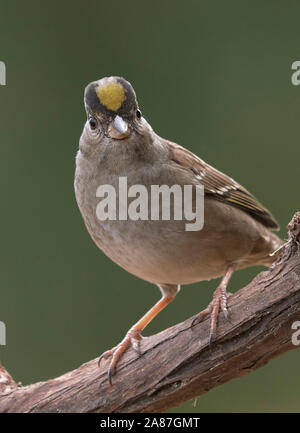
116 142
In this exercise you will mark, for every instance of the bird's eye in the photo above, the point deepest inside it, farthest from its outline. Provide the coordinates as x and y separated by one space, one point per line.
138 114
92 122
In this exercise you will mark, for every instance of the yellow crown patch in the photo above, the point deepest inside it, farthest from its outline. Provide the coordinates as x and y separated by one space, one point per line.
111 95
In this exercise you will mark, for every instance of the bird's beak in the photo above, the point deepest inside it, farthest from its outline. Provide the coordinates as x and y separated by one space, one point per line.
118 128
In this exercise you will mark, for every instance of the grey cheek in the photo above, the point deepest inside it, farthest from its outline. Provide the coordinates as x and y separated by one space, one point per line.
93 135
88 140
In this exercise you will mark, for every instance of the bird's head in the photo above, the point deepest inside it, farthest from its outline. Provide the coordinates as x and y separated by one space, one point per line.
112 108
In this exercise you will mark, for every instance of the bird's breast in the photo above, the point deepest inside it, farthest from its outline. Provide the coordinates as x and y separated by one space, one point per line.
119 220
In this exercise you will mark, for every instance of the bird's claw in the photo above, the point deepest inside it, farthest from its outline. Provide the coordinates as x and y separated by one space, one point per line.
219 302
132 338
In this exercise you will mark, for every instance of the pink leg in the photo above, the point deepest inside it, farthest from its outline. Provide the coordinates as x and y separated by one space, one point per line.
133 336
219 301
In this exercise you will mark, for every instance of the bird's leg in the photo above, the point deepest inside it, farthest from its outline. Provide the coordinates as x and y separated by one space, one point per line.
133 336
219 301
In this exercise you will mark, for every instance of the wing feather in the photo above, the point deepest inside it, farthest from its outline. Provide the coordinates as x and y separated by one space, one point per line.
221 186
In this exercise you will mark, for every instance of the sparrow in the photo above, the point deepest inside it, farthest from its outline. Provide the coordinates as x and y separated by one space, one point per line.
237 231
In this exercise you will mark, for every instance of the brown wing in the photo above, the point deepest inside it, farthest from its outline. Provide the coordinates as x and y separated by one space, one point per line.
221 186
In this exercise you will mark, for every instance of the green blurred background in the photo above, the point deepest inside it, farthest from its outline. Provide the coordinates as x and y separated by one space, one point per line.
213 76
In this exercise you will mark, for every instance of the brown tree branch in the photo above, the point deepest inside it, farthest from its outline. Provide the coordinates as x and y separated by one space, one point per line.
177 364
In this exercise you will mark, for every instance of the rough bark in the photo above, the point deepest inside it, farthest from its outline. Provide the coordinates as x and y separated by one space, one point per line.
178 364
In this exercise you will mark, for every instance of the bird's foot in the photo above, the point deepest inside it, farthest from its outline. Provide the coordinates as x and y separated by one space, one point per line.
132 338
219 302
